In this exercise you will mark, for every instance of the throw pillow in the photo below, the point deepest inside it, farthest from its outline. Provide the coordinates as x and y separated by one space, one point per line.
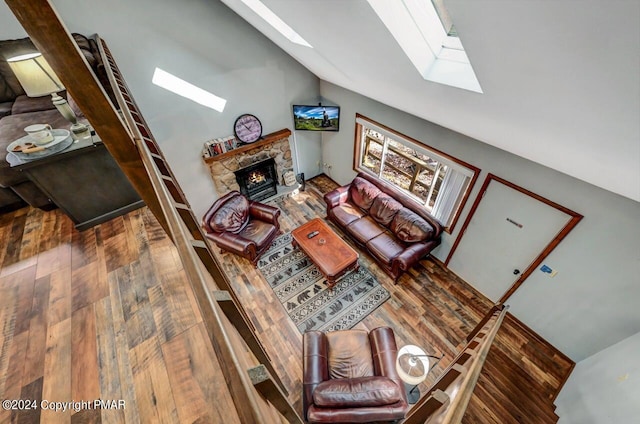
410 227
363 193
385 208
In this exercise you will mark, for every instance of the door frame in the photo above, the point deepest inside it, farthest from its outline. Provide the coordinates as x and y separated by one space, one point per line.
573 221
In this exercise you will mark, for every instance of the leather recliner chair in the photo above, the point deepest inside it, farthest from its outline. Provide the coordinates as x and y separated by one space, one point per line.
240 226
349 376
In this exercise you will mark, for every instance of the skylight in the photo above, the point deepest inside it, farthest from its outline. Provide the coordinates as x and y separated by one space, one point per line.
272 19
185 89
436 52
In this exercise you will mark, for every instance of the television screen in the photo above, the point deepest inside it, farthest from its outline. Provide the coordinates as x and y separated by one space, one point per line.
316 118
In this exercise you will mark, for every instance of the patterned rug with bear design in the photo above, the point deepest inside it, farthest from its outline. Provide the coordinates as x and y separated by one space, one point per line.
303 292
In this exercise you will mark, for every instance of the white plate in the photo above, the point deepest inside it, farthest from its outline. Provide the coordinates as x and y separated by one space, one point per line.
59 136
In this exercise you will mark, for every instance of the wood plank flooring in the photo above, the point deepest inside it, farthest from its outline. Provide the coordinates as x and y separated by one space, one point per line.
106 313
102 314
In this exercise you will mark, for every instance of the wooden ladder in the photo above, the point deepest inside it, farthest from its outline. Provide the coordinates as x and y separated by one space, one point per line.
225 296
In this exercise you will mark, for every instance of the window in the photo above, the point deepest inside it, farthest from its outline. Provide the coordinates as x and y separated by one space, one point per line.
438 181
425 32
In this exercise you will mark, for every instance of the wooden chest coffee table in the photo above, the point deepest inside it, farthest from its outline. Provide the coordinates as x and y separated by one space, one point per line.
333 257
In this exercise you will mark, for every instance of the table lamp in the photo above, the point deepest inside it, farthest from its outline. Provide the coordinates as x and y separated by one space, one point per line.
412 365
38 79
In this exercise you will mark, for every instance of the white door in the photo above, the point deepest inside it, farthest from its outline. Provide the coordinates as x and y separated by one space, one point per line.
508 230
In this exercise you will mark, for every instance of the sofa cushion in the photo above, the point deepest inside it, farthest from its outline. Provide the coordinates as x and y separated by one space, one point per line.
385 247
364 229
349 354
24 104
6 93
74 106
231 217
363 193
259 232
85 47
5 108
384 209
356 392
346 213
410 227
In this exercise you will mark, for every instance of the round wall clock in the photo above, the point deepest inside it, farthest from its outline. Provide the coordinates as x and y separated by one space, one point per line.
247 128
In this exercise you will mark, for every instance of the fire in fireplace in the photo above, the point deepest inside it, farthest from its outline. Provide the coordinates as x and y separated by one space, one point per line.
258 181
256 177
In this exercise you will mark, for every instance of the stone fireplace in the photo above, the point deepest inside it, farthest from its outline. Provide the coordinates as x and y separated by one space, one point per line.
259 180
274 146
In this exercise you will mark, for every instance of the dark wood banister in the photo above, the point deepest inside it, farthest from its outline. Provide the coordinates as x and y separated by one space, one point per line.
447 400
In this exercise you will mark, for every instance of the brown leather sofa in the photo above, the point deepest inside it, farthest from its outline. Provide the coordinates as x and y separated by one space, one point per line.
350 376
243 227
395 229
18 111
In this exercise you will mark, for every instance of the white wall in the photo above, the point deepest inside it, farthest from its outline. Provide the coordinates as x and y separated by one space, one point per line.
592 302
9 25
604 388
208 45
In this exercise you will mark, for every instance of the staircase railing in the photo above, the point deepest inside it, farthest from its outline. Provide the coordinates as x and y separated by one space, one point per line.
257 392
447 400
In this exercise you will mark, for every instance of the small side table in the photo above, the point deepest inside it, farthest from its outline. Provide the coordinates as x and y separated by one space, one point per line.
84 181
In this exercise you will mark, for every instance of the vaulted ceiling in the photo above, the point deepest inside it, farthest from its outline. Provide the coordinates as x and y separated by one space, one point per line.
561 79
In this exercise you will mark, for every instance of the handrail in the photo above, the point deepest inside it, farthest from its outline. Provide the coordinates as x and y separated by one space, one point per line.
240 385
483 321
458 406
448 397
155 164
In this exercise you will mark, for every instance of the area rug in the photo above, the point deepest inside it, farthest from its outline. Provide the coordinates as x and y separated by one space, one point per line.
303 292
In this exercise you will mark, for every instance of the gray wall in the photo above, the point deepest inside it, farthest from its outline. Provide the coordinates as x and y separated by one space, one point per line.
604 388
592 302
207 44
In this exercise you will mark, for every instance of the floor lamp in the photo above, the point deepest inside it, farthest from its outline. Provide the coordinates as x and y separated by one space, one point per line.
413 365
38 79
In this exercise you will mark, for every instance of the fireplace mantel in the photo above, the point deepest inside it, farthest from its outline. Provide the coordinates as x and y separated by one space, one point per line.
274 145
269 138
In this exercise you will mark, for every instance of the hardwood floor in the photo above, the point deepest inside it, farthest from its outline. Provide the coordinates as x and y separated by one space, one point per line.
106 314
102 314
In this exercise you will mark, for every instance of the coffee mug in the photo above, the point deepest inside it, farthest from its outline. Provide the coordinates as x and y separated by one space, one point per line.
40 133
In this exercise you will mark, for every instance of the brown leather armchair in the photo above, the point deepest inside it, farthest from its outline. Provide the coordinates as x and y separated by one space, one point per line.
349 376
243 227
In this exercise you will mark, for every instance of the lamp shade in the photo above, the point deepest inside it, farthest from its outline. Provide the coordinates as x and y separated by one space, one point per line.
412 364
35 75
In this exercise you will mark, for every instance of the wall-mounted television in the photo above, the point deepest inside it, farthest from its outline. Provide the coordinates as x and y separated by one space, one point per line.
316 118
